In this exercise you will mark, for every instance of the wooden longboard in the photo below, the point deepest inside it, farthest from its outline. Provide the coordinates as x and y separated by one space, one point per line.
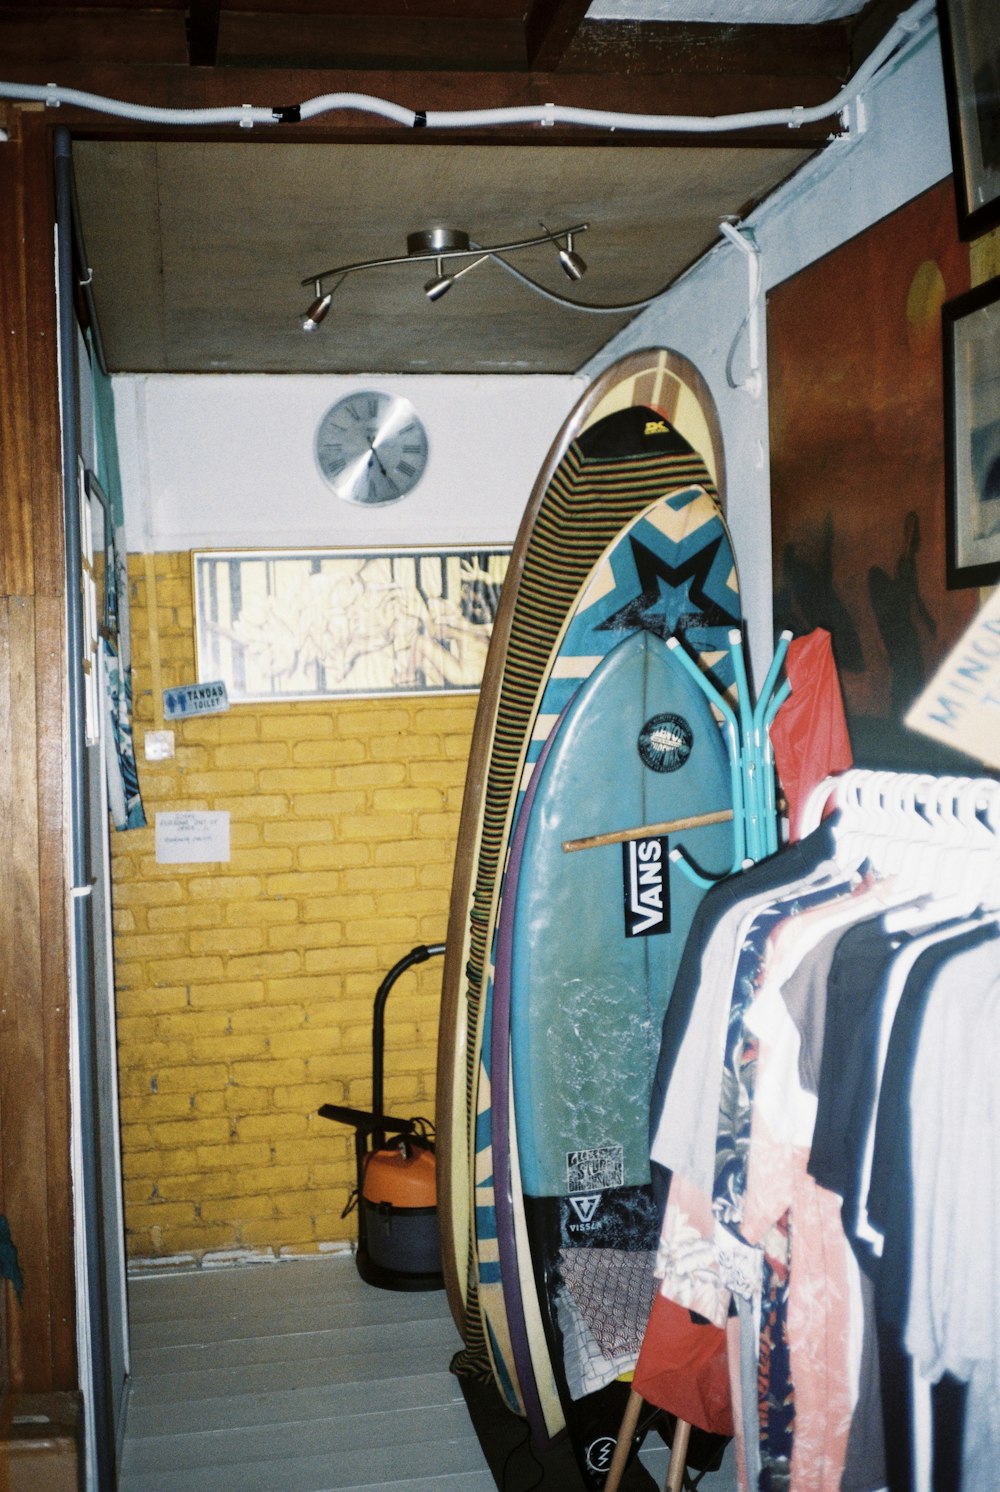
672 386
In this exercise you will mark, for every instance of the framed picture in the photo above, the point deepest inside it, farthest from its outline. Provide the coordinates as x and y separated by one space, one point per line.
336 623
970 34
972 436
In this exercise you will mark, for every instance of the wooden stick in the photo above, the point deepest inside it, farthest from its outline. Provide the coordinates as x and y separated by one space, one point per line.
623 1445
672 826
678 1457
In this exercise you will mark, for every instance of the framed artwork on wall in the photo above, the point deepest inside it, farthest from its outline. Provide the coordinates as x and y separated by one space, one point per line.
972 435
342 623
970 34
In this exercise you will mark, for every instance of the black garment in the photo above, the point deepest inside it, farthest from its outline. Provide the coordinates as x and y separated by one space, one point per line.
849 1067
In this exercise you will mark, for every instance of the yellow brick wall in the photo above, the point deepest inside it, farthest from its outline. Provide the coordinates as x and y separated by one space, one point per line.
245 990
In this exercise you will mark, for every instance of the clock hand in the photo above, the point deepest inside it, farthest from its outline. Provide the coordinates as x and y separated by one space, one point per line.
375 454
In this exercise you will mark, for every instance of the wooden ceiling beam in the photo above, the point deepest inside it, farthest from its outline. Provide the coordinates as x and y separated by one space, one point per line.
869 26
407 42
421 35
716 50
549 28
203 33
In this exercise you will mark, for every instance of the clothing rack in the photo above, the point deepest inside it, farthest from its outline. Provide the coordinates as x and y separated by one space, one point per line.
919 807
937 835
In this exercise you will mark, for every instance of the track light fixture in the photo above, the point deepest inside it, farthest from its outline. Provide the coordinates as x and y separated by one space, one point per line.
447 246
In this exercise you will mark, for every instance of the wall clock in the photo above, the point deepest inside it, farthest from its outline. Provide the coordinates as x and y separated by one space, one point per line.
371 447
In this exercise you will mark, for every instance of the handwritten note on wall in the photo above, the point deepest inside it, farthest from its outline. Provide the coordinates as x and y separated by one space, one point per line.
191 838
961 704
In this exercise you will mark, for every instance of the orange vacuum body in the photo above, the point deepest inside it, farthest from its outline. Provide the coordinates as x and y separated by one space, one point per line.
399 1203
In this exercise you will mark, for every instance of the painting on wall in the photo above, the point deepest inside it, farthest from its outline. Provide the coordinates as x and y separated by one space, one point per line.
970 36
857 412
972 435
339 623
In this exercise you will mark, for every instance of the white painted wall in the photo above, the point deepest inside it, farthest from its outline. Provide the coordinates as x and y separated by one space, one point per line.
218 461
903 151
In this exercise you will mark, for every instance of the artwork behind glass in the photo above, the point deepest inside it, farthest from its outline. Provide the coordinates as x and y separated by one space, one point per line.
307 624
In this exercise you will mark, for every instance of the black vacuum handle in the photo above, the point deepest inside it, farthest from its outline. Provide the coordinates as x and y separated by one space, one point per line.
364 1122
418 955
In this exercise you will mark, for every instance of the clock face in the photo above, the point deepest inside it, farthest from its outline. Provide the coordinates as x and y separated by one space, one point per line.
371 447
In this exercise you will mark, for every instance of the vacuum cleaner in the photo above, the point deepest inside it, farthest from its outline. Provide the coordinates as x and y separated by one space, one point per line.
396 1190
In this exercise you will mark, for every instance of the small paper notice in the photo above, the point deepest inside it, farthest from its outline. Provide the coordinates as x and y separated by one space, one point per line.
961 704
190 838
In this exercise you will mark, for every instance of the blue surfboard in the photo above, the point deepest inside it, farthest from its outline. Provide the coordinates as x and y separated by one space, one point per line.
668 572
595 938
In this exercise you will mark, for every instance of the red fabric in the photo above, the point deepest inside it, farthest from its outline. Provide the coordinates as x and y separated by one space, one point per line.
683 1368
809 733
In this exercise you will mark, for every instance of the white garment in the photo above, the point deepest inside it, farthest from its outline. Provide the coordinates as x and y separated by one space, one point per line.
953 1318
685 1136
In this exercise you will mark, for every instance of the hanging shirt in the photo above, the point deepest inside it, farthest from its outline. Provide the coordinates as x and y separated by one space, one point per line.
809 733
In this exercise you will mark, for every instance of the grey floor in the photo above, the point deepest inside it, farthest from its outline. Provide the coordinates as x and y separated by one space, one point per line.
295 1376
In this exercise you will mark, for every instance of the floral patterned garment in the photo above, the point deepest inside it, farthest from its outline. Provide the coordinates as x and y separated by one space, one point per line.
776 1397
703 1256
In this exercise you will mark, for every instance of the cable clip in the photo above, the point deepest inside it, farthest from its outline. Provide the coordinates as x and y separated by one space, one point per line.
548 124
795 123
246 122
51 101
854 118
79 891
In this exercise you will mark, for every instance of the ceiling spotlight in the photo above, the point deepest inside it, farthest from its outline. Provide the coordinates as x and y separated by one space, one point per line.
317 311
442 283
574 265
439 285
435 246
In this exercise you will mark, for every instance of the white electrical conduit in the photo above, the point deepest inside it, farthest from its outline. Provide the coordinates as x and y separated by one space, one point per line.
247 115
744 240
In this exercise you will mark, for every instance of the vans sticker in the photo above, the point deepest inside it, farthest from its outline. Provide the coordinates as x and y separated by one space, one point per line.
645 874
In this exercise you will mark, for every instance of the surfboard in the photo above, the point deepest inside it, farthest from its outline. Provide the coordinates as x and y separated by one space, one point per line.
588 954
670 385
668 571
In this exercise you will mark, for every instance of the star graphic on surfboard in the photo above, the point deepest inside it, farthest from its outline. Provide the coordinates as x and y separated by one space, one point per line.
672 601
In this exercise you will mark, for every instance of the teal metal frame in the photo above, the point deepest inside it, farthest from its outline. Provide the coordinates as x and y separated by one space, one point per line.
747 733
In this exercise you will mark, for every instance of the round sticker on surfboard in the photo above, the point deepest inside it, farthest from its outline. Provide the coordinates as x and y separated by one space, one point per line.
665 742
